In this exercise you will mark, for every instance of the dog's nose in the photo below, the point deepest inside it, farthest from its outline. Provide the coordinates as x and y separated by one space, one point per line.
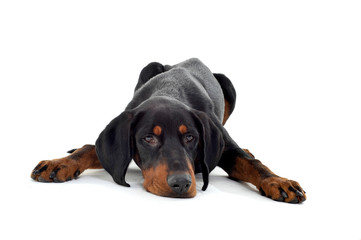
180 183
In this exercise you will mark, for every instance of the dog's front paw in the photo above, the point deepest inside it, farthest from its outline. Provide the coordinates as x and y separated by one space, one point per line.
59 170
282 189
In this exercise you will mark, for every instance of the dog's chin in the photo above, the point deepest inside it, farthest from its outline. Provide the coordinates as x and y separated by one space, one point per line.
171 194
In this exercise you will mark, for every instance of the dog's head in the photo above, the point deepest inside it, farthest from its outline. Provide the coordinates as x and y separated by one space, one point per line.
168 141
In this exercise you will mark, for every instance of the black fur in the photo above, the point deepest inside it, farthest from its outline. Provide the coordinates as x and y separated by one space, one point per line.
115 145
228 90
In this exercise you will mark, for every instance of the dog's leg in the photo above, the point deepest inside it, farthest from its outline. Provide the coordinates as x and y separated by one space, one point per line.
241 165
67 168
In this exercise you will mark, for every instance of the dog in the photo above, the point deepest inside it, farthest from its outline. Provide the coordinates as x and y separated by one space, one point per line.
173 128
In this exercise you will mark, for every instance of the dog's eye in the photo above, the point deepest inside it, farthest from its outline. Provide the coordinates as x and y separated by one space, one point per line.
150 139
189 138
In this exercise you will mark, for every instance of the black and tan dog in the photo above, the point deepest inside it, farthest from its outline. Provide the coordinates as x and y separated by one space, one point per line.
173 128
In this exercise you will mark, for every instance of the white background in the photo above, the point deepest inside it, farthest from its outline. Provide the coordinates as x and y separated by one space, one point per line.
68 67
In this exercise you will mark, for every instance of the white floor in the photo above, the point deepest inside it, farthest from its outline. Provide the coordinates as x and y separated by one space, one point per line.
95 207
67 68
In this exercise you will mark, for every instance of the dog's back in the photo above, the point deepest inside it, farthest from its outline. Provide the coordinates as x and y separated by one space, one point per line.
189 82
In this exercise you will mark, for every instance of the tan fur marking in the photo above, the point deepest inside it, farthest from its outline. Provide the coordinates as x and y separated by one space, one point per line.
244 170
155 180
248 152
227 110
183 129
192 190
157 130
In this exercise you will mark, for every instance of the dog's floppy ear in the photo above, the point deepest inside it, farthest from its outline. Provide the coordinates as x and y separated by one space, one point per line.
211 143
115 145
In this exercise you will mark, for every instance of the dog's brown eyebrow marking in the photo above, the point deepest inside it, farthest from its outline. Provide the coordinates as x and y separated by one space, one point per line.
183 129
157 130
